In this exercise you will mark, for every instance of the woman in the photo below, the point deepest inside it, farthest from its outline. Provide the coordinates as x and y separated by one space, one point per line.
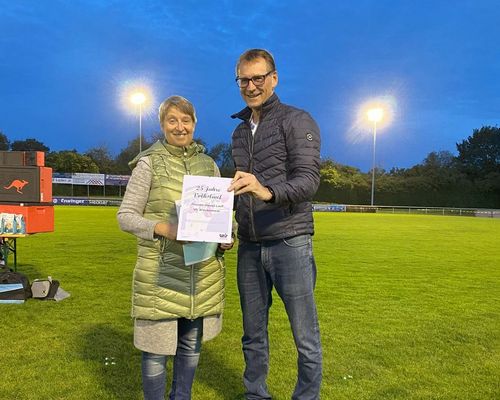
171 318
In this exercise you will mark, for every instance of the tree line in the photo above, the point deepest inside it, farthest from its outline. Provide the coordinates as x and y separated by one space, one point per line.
470 179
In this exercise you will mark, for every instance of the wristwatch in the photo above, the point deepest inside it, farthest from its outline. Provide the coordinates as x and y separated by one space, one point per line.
273 196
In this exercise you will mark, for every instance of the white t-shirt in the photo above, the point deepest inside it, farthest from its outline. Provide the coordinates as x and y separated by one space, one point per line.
253 126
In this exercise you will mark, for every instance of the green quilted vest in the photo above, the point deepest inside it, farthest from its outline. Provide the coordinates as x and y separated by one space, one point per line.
163 286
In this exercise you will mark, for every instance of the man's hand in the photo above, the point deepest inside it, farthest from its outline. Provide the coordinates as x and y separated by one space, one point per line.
243 182
167 230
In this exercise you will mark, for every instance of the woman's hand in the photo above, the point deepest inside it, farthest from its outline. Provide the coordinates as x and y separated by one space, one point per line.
226 246
167 230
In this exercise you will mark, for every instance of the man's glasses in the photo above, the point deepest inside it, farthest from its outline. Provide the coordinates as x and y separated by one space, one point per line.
258 80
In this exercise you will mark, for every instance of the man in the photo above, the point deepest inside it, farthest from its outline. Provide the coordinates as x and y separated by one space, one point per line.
276 153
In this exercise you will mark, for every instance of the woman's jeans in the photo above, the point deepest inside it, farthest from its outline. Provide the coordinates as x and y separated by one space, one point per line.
185 363
289 266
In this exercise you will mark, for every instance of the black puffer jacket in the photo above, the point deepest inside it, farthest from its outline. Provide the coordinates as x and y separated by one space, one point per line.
283 154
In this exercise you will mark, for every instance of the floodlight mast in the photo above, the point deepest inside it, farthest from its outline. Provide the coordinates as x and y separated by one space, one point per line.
374 115
138 99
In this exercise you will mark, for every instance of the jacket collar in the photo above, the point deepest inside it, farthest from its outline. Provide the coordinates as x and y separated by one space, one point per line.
246 113
161 146
187 151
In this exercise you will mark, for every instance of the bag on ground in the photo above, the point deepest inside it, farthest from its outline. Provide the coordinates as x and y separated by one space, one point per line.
44 289
14 286
48 289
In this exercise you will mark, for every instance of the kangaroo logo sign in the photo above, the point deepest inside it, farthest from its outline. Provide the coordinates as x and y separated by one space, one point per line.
25 184
17 184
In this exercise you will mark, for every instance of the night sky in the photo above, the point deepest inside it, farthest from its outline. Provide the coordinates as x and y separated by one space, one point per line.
65 67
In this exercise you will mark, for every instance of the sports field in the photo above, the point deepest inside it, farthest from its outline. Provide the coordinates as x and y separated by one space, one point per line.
409 309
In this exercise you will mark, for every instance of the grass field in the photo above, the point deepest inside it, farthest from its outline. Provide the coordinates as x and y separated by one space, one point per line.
409 309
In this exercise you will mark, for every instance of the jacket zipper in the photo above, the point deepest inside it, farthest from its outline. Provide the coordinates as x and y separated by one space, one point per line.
252 224
192 291
184 159
192 286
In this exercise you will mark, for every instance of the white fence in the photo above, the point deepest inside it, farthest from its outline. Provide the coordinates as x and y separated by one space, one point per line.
468 212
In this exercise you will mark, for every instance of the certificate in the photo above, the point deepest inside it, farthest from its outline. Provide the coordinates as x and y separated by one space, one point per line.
206 211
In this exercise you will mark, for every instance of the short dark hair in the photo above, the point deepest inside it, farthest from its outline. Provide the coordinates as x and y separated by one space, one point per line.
179 102
254 54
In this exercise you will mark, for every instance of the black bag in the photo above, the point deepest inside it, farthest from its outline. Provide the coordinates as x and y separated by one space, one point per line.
13 285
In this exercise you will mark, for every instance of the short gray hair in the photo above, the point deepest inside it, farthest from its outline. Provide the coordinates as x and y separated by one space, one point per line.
179 102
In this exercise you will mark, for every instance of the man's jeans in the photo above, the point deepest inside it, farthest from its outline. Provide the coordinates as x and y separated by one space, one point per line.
289 266
185 363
